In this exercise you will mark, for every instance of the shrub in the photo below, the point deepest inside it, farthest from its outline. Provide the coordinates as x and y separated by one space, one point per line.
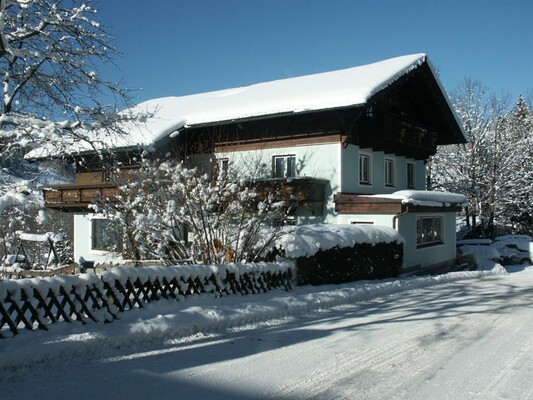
362 261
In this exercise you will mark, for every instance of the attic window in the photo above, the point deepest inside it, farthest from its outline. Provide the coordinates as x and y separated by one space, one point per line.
370 111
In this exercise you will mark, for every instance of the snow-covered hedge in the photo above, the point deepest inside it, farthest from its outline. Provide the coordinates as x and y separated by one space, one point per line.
307 240
327 253
36 303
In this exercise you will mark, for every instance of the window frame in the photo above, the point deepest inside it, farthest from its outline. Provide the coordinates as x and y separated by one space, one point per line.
368 180
434 238
94 239
389 169
361 222
289 166
223 168
410 175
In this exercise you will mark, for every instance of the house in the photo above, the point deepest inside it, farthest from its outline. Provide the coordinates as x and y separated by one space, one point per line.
357 139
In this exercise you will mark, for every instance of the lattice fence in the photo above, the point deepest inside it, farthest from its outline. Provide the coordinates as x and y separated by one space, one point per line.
36 303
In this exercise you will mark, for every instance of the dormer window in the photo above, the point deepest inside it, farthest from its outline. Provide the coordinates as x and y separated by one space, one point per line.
284 166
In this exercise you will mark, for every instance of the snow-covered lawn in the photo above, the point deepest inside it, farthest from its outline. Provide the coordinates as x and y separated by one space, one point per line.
460 335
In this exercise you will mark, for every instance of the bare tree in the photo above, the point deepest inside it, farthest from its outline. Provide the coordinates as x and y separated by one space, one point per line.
50 52
52 93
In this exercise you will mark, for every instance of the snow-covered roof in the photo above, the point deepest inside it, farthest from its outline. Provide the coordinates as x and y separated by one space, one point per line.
427 198
329 90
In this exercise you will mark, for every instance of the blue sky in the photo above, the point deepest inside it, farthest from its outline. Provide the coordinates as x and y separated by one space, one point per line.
178 47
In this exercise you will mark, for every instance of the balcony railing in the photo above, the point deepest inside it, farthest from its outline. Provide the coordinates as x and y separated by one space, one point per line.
78 196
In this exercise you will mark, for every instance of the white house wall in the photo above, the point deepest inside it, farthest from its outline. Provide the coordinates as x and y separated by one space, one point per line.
313 161
406 226
83 240
333 162
375 219
432 255
350 172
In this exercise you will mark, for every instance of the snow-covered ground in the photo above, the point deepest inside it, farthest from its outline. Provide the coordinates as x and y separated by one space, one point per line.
463 335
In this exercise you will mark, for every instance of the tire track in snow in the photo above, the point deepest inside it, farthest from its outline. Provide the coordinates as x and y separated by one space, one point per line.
365 362
394 367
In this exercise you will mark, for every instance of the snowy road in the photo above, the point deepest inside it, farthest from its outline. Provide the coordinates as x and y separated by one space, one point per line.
470 339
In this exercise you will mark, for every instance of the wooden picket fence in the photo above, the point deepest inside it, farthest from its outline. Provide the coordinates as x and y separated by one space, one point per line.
36 303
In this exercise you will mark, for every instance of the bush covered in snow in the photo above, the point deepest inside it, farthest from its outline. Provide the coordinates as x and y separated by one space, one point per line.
170 212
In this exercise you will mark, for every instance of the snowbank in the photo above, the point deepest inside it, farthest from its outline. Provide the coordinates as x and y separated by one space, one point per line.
306 240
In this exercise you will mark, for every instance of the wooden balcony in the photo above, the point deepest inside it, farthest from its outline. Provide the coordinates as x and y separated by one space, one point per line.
88 188
77 197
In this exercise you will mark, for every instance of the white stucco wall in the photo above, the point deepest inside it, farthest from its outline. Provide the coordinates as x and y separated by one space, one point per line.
314 161
376 219
83 240
350 172
432 255
321 161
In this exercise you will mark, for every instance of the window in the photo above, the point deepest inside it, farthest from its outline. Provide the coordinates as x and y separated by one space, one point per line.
284 166
287 221
389 172
223 168
428 231
410 176
364 169
107 173
362 222
106 235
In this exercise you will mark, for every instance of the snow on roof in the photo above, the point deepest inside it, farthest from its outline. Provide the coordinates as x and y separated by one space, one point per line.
342 88
427 198
306 240
329 90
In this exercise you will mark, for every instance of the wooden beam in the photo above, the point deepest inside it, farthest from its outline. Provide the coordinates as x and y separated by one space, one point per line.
278 142
349 203
368 208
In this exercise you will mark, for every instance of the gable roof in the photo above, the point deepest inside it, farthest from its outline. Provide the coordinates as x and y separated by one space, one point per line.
324 91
